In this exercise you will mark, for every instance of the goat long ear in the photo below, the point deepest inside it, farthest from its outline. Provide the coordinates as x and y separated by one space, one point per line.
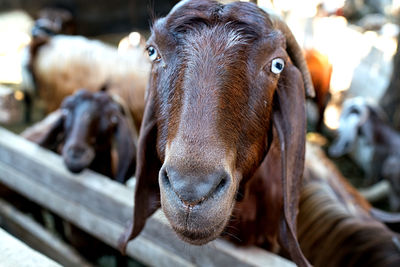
289 121
125 137
47 133
147 191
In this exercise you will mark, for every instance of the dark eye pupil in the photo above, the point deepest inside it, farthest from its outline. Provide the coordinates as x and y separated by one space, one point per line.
151 51
278 65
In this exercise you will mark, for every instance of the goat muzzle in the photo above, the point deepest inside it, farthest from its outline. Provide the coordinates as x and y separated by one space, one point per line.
77 157
198 205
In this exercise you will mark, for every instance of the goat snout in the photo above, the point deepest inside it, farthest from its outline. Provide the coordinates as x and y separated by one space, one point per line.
76 152
193 190
77 157
198 204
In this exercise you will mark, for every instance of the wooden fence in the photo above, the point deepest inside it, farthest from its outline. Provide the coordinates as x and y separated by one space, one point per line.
13 252
103 208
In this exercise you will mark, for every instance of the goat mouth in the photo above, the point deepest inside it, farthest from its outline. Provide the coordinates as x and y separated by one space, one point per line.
197 225
78 164
199 237
75 167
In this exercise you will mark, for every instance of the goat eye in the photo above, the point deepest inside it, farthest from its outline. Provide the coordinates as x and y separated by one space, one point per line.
277 65
114 119
153 54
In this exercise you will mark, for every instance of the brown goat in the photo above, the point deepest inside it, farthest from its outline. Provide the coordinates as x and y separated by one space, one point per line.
320 70
84 131
224 126
335 223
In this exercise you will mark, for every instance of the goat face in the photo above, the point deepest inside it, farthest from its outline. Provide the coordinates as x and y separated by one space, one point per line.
88 125
354 114
218 104
212 93
89 121
218 107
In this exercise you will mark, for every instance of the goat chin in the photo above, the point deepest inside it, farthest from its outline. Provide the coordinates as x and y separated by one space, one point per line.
200 223
76 166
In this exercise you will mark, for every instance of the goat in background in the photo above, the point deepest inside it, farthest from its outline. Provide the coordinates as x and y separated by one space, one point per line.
84 130
364 130
50 21
336 225
58 65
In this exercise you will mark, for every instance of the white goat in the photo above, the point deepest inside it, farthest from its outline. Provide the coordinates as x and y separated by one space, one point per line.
65 63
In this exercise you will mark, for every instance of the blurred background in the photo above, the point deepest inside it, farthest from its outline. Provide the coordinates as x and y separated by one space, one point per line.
358 37
351 47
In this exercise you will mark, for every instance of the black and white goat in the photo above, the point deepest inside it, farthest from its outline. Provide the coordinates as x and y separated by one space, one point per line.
365 134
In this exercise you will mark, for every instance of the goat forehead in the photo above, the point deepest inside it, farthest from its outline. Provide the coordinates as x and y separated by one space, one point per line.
218 39
214 63
86 110
214 74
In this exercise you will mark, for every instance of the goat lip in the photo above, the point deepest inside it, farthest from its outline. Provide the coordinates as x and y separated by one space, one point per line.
75 167
199 237
198 224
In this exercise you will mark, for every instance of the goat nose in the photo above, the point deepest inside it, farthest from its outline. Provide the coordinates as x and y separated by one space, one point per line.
192 189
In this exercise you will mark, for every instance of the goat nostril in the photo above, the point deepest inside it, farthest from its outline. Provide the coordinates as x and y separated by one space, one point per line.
195 188
165 178
221 185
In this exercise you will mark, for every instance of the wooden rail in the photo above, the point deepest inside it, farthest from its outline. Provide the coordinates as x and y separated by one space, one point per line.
15 253
37 237
103 208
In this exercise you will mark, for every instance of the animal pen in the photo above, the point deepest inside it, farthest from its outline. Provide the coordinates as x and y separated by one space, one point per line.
102 208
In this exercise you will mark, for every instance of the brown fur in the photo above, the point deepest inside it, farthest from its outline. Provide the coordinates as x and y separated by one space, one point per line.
335 227
321 71
85 131
221 132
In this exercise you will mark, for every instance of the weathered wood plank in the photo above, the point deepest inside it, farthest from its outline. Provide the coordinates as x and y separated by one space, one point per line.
15 253
98 226
34 235
103 207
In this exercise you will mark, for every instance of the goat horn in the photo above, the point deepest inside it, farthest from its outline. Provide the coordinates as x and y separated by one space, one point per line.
295 53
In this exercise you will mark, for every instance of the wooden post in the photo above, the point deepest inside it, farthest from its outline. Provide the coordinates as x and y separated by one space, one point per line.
103 208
